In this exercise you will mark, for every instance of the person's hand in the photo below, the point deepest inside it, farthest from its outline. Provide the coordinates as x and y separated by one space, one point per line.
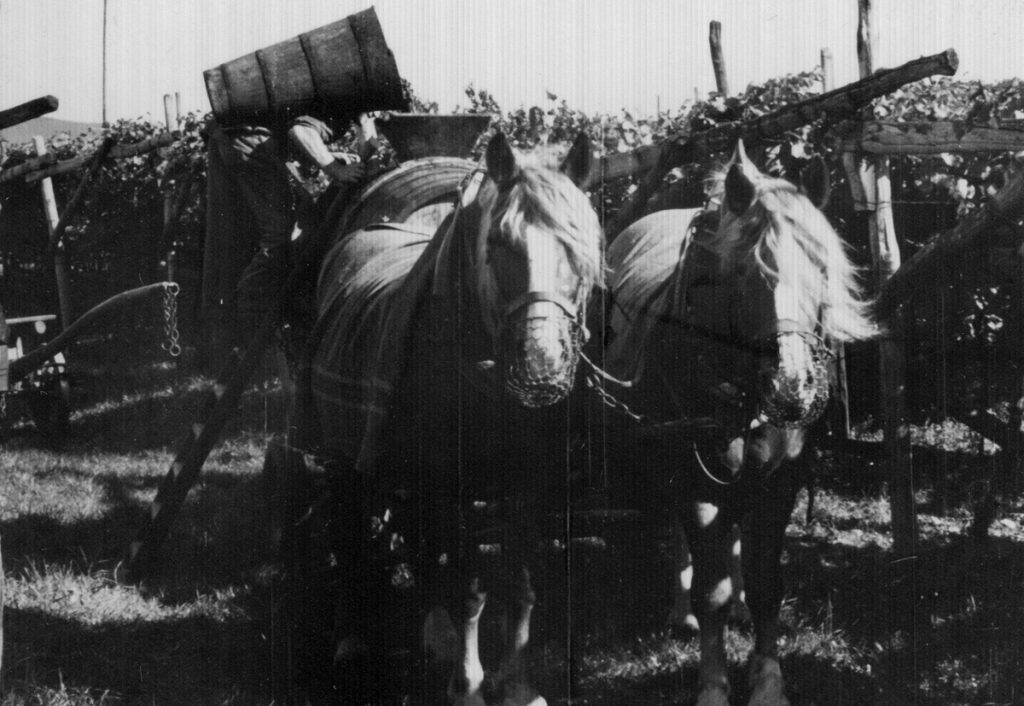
341 173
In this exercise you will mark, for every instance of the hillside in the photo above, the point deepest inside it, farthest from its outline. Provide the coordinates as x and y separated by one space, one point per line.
45 126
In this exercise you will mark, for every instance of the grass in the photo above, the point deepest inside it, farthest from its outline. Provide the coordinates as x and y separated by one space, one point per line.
198 633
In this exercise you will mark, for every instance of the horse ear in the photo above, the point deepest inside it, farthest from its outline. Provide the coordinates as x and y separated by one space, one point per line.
501 161
739 190
814 181
739 155
579 163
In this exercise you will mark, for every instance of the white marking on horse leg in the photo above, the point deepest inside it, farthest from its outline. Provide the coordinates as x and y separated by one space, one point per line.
705 513
766 683
681 616
713 664
739 611
516 689
464 687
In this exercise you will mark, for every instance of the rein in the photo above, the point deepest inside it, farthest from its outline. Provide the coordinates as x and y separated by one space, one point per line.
724 390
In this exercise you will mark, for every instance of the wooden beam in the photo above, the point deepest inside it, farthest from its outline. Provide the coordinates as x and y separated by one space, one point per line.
29 165
889 138
717 57
834 105
976 230
26 111
60 268
117 152
37 356
78 198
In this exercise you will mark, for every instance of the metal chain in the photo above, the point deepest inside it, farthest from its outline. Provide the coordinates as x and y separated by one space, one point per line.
609 400
172 345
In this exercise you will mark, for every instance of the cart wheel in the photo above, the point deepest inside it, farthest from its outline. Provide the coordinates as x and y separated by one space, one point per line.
51 407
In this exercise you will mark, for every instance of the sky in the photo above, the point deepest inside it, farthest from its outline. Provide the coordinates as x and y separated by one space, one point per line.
599 55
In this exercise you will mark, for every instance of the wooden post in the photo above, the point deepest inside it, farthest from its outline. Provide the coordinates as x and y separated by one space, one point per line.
60 266
717 58
841 418
885 257
171 120
828 77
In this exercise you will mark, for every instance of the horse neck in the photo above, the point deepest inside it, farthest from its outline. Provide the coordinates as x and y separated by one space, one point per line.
455 276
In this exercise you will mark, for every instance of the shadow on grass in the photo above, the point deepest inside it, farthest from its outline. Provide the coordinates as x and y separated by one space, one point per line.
219 538
943 628
186 661
148 407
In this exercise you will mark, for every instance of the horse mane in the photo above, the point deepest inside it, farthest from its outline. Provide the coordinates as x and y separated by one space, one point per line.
795 245
540 197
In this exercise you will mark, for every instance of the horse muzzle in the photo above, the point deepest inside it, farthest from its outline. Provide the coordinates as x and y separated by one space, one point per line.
540 349
795 387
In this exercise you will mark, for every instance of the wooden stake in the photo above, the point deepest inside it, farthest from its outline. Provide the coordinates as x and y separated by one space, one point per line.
828 78
60 268
892 372
170 118
717 58
841 418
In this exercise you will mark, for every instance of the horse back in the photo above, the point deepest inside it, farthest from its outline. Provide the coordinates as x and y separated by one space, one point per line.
359 288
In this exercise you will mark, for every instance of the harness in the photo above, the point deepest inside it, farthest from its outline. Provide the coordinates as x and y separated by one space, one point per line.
530 389
469 191
746 389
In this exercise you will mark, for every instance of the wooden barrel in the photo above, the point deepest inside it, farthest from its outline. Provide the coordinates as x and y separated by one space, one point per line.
397 195
344 68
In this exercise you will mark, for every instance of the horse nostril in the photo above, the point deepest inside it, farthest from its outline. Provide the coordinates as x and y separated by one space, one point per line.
795 389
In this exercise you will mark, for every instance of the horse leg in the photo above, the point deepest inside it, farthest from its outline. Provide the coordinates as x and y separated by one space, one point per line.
517 691
468 675
768 521
682 623
739 612
709 536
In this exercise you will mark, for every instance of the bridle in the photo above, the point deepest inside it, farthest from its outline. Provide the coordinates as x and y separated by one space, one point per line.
573 308
752 398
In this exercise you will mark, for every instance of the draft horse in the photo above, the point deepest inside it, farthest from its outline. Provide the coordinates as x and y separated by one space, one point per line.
723 320
438 367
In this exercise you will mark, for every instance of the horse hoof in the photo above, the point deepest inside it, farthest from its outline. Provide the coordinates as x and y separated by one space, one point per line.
713 696
522 695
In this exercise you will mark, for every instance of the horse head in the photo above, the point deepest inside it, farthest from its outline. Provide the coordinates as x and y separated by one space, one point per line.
536 259
796 290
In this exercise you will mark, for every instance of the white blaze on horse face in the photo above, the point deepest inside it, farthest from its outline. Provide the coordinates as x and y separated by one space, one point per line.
550 271
795 355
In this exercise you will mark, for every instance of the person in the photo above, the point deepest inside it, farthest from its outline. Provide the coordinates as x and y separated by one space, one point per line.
251 214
